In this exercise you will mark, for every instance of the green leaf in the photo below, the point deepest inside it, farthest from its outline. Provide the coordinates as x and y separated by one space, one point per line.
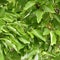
15 41
57 32
46 31
2 12
57 17
13 30
1 54
38 34
31 35
39 15
53 38
28 5
2 23
10 44
24 40
49 8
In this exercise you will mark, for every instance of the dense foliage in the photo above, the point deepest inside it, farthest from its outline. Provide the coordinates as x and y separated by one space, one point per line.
29 29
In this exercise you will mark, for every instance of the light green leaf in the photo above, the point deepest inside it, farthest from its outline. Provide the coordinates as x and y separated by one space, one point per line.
13 29
46 31
36 57
53 38
2 12
39 15
57 32
49 8
57 18
15 41
2 23
1 54
29 4
37 34
24 40
31 35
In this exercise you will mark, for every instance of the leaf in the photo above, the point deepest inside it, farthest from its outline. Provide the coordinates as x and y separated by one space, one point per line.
31 35
39 15
28 5
15 41
49 8
13 29
57 18
53 38
9 17
24 40
10 44
2 23
46 31
37 34
2 12
57 32
36 57
1 54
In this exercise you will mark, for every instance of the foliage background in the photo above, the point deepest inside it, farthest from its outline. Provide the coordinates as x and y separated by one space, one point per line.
29 29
